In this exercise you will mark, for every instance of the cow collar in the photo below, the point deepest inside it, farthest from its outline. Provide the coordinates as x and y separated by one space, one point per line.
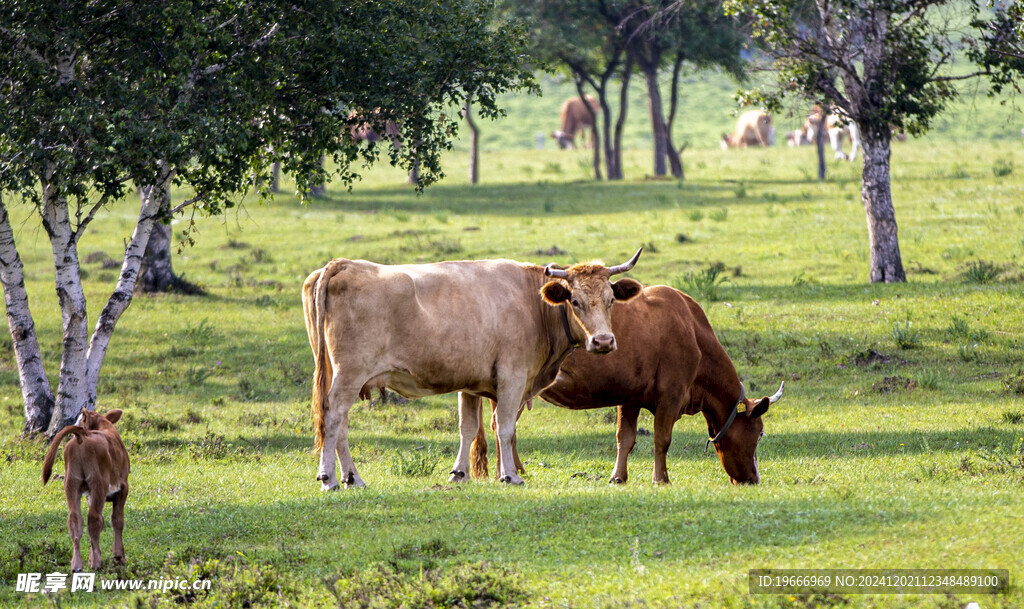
573 343
728 421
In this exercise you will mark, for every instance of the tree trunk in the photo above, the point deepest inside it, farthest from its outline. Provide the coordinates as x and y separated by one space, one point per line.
674 160
474 142
72 388
35 386
627 73
657 117
595 139
819 140
886 263
153 202
275 178
320 188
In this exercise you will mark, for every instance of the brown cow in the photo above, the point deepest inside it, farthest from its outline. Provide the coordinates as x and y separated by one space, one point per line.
487 328
670 363
363 127
96 464
753 128
575 119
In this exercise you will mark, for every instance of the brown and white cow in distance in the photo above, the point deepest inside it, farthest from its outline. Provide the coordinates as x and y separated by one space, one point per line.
838 128
669 362
576 119
753 128
488 328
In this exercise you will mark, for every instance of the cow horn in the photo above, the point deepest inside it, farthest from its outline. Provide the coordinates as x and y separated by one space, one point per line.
550 271
778 394
622 268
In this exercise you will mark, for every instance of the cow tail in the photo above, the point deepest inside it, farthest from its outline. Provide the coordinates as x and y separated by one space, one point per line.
51 453
478 450
318 340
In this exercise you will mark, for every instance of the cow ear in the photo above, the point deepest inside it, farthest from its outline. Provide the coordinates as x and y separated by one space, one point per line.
626 289
114 415
555 293
759 408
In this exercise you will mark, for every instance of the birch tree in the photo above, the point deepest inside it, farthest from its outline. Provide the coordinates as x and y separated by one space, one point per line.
207 95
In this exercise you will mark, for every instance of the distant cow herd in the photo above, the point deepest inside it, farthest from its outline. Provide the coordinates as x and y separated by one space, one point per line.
754 128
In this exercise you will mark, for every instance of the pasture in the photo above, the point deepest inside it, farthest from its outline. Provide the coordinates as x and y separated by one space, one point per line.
898 443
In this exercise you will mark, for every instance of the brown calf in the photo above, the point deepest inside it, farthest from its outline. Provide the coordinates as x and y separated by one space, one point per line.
95 463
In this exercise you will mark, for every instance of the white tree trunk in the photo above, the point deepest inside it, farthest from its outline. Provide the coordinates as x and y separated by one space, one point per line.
35 386
72 388
152 198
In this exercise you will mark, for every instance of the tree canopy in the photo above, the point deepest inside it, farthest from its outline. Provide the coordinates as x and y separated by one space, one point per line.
102 96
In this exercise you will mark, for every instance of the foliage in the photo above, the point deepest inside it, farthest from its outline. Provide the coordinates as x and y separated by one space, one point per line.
479 585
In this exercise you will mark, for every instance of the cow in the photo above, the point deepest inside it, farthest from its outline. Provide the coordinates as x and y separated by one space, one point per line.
96 464
575 119
839 127
363 125
488 328
669 362
753 128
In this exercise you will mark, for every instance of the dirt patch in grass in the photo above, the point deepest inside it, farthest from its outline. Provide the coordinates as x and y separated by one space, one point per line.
893 384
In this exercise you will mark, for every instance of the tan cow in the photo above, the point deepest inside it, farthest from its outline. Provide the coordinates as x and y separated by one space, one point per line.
488 328
753 128
576 119
96 464
669 362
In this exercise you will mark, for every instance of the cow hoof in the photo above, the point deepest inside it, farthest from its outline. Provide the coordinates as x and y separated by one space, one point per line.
616 480
324 486
76 570
517 481
354 481
457 476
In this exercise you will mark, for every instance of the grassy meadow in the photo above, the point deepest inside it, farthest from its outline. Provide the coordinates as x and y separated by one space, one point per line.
897 444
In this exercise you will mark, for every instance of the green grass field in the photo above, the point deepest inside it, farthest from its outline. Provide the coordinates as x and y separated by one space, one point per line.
897 444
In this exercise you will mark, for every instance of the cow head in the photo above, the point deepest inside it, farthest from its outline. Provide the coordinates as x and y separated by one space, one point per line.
737 448
94 421
590 293
565 141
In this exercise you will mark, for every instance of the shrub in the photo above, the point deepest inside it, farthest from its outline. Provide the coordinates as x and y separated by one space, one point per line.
1002 168
703 285
904 335
719 215
979 271
477 585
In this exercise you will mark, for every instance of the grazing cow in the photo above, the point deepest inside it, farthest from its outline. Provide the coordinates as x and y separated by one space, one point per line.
838 128
96 464
488 328
753 128
575 119
670 363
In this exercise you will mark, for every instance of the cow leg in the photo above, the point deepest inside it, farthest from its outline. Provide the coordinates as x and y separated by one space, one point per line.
510 400
94 520
339 402
854 140
73 494
117 522
469 425
625 439
515 449
664 419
